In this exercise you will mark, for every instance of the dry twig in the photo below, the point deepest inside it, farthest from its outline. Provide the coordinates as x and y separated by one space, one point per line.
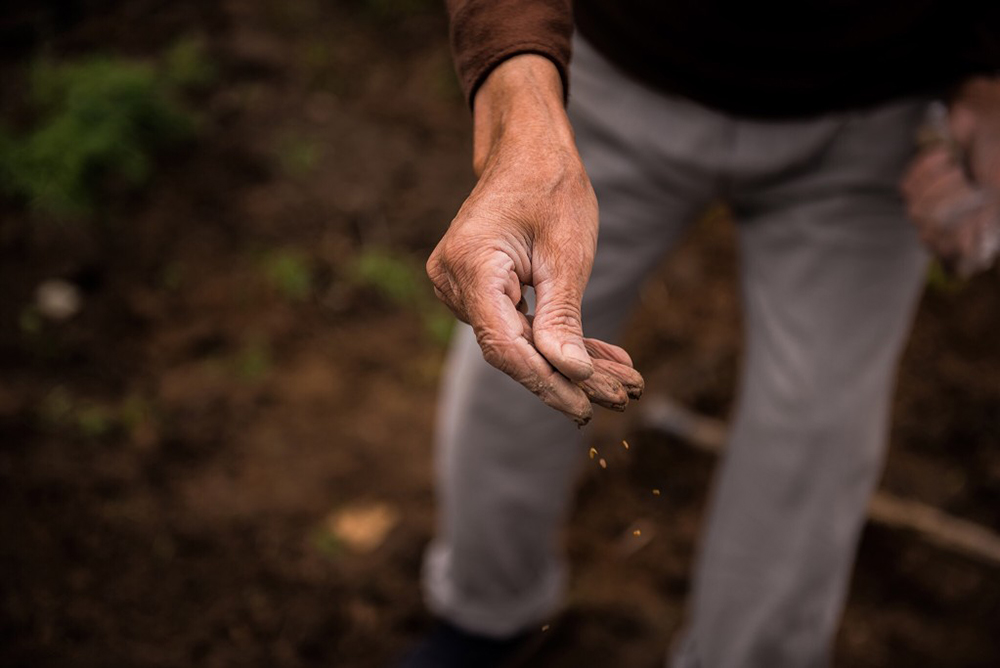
706 434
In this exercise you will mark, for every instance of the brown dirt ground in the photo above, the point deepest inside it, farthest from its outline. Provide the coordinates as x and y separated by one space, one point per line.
184 525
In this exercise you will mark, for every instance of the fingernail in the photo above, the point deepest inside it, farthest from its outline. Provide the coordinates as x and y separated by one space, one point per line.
576 353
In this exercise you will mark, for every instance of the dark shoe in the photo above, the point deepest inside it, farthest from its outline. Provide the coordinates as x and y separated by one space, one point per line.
448 646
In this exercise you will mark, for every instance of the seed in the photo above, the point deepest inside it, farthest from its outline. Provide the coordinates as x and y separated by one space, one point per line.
625 443
593 452
636 532
603 463
656 492
545 628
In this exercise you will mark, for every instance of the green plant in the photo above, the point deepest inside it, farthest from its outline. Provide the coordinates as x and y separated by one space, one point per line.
394 277
289 273
439 324
95 422
61 410
134 411
941 281
398 280
186 65
253 362
326 543
298 156
99 122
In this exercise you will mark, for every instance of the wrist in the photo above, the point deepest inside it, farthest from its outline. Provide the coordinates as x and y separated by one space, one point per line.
520 102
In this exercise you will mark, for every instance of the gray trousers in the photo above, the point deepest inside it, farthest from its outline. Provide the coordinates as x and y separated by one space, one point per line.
831 271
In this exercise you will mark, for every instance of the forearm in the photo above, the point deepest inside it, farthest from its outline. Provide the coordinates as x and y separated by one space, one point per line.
520 104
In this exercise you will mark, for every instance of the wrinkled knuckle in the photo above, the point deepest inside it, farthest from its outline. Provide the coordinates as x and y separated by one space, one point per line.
491 353
561 315
456 262
433 264
495 352
436 269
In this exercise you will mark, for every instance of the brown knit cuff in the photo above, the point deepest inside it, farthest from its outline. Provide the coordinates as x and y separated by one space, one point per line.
484 33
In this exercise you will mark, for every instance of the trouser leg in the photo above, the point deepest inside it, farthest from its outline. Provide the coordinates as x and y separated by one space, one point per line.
830 277
505 461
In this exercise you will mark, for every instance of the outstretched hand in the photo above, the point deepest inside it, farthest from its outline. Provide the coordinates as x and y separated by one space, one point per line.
531 220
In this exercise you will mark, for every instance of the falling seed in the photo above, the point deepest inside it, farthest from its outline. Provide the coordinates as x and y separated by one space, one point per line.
593 452
656 492
625 443
545 628
603 463
636 532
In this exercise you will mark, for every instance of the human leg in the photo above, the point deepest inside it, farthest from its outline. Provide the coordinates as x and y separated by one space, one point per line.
830 277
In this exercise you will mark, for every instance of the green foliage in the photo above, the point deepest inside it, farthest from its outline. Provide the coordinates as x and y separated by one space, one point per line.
298 156
134 411
186 64
395 278
326 543
941 281
254 361
289 273
95 422
62 411
439 324
99 121
400 281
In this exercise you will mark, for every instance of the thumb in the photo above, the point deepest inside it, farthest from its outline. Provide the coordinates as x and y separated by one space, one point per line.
558 329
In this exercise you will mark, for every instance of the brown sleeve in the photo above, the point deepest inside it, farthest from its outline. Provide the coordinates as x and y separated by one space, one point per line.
486 32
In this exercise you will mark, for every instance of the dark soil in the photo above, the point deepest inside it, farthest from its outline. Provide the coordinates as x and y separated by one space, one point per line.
168 458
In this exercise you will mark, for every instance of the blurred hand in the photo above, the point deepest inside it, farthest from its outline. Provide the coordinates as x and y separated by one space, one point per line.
952 188
952 214
975 127
530 220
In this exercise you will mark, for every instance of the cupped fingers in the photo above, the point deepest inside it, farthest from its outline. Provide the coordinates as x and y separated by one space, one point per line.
940 209
925 169
553 388
505 339
630 379
598 349
605 390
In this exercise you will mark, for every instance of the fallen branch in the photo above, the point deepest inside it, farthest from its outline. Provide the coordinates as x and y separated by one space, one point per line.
659 413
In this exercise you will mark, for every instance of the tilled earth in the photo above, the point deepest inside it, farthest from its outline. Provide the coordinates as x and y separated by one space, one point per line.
170 458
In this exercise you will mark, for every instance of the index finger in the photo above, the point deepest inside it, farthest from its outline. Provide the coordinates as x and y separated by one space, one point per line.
503 334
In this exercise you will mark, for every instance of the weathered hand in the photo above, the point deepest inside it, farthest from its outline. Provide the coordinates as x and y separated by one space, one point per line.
952 188
975 126
530 220
951 213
